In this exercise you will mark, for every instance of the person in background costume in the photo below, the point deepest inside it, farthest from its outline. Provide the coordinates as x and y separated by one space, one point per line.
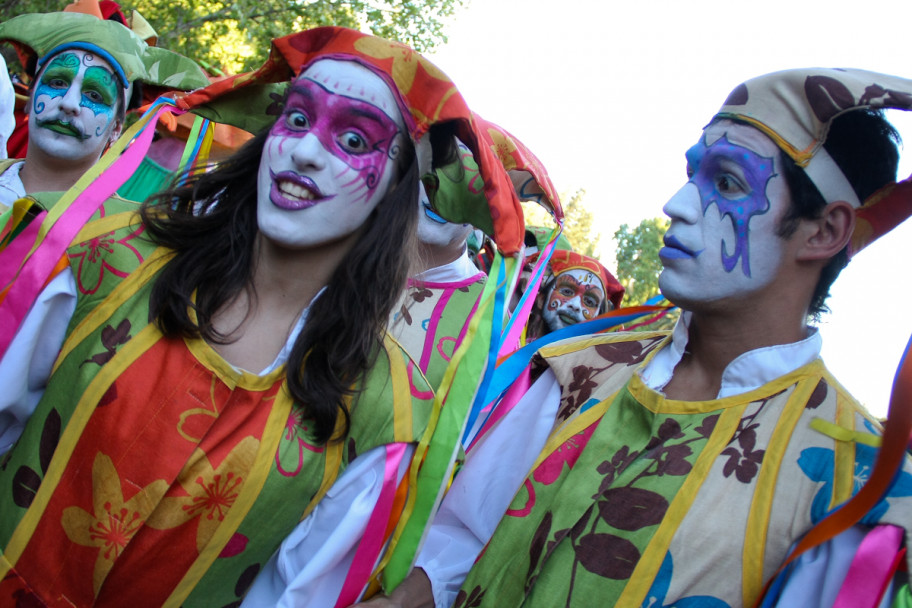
88 75
681 468
228 358
579 289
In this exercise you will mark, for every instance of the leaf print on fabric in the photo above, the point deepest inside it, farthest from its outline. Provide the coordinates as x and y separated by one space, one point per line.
622 352
610 469
210 492
818 396
744 461
607 555
26 480
539 539
470 600
113 522
111 338
105 254
669 459
419 295
707 427
631 508
657 594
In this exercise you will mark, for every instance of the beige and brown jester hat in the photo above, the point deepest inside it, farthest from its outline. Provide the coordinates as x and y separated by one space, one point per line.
795 109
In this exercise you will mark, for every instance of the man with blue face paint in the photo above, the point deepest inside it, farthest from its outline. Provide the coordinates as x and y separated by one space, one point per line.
658 469
86 69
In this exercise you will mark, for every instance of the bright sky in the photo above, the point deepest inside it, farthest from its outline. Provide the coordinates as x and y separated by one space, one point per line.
609 95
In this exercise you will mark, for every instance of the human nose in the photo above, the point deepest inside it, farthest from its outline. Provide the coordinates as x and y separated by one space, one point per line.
69 103
685 204
575 303
309 152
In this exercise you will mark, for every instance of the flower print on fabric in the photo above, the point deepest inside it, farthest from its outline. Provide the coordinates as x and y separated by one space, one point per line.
657 594
817 464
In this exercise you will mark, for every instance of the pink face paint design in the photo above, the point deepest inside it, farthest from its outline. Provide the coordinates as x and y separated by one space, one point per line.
330 157
354 131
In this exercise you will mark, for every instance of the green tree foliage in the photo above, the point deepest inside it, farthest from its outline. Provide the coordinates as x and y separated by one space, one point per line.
577 222
578 225
234 35
638 263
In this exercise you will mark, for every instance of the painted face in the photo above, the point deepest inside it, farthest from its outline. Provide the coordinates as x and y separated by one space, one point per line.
577 296
73 114
722 241
435 231
330 157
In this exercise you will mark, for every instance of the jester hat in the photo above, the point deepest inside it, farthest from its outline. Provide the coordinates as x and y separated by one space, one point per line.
564 260
795 109
426 97
41 35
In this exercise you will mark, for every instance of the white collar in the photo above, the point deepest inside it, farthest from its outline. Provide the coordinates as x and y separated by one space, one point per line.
11 186
459 269
747 372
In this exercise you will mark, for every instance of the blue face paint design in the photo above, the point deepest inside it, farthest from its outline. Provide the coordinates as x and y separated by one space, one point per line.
97 87
734 179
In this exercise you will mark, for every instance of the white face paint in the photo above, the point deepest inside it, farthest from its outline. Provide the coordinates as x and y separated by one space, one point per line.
435 231
73 112
576 296
722 241
330 157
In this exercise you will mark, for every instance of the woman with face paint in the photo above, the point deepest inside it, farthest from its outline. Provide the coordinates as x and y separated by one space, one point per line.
241 378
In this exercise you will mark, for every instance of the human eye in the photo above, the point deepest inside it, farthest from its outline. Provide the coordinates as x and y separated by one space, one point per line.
353 142
94 96
590 302
729 185
566 291
690 171
297 120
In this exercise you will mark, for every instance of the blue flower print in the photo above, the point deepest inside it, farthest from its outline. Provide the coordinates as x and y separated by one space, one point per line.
655 598
817 464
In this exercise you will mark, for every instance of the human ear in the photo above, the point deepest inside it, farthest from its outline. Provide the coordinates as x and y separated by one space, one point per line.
825 236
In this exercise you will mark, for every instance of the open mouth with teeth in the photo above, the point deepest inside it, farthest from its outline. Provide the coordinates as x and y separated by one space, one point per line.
293 191
64 128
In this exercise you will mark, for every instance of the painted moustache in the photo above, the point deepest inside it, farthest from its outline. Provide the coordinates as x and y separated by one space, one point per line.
63 127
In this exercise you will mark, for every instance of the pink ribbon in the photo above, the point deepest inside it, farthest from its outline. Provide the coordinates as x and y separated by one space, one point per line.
872 568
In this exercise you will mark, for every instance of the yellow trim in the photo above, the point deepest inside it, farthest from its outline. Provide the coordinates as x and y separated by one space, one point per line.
118 296
272 433
801 157
402 395
656 403
840 433
71 434
331 463
843 452
765 489
644 574
227 373
107 224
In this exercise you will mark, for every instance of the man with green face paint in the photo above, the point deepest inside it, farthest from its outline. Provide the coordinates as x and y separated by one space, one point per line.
86 69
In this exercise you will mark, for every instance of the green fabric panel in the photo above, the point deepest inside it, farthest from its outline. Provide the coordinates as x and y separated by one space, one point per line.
148 179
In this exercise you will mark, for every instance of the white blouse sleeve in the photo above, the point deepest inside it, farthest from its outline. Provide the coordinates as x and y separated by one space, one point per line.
27 364
482 491
311 565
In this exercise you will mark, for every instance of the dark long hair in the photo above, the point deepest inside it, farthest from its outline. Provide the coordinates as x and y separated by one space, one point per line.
210 223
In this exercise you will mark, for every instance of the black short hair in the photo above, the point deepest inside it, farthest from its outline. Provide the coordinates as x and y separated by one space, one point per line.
864 146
